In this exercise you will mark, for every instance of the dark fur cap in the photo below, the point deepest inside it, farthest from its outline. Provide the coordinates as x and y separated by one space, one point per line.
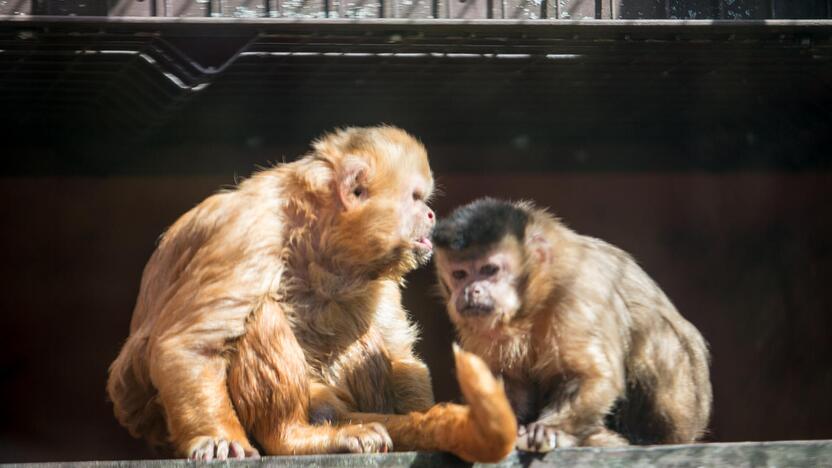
480 223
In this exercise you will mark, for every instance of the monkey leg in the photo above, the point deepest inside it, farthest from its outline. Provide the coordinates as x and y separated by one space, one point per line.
411 385
483 431
270 387
192 389
580 414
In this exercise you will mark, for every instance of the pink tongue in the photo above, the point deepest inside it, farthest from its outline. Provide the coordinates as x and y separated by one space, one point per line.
427 242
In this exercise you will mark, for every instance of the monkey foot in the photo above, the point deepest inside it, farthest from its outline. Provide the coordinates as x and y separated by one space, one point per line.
209 448
364 438
537 437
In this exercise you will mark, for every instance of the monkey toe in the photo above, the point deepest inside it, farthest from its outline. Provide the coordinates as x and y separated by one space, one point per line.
236 450
220 449
366 438
541 438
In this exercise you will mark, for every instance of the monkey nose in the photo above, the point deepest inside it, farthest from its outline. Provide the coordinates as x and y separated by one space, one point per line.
431 216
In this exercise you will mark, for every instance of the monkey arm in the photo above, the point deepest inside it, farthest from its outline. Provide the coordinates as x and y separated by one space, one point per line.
410 376
589 381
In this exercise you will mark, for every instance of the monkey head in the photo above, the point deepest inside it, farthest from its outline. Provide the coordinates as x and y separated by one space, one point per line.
480 262
379 184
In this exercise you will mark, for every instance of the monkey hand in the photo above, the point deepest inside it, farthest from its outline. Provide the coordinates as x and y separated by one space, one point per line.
539 437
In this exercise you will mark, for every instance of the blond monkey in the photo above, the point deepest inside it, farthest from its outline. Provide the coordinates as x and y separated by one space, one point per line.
273 310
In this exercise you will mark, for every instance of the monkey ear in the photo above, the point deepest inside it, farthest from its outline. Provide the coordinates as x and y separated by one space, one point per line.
351 183
538 247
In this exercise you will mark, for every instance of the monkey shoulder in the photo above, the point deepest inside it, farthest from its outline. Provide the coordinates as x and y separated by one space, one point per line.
210 270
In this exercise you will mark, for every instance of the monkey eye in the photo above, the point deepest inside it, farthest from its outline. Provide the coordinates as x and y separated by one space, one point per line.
359 192
459 274
489 269
418 196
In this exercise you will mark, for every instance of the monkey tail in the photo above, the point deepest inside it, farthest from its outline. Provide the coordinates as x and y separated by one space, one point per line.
135 400
491 420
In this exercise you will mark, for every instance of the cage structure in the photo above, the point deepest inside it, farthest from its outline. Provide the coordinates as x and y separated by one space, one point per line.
641 89
421 9
694 134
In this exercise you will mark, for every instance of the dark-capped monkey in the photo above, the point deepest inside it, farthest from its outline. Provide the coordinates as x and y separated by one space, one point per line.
592 351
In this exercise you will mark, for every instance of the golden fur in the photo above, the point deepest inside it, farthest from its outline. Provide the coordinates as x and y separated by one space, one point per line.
592 330
274 310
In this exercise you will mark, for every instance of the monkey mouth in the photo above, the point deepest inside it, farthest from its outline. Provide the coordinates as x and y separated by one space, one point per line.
424 243
475 310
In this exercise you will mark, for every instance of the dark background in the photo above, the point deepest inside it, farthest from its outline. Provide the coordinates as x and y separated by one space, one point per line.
704 152
745 256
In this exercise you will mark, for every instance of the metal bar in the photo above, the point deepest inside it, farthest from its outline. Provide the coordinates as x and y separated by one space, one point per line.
773 9
544 8
667 10
598 7
235 26
722 9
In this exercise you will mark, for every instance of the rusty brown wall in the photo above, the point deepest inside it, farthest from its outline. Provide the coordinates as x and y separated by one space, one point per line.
745 256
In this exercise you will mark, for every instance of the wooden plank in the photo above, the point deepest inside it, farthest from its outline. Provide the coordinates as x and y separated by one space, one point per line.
764 454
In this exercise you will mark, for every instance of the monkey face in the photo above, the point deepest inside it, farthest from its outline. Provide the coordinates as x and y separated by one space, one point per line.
481 286
382 185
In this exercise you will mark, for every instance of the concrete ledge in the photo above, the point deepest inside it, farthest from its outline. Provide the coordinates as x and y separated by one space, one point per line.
815 453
